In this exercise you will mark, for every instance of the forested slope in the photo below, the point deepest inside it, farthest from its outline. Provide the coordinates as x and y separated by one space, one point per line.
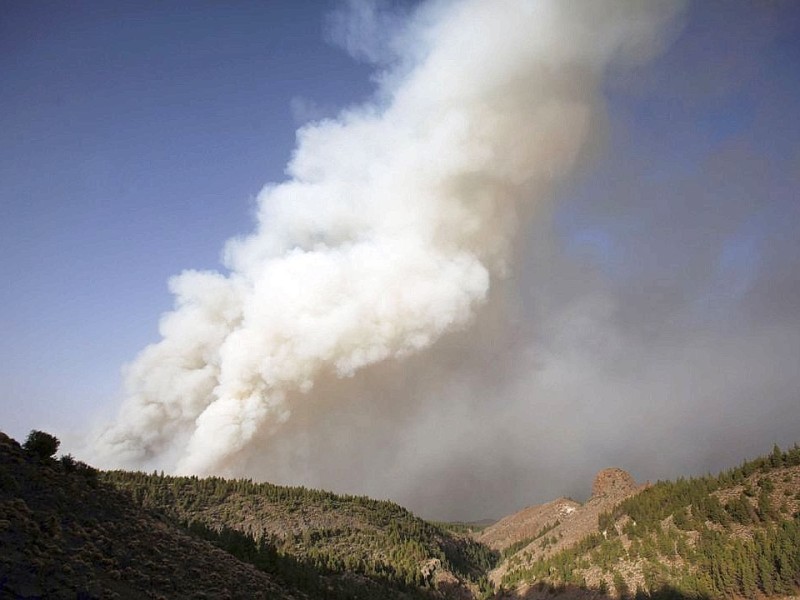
65 534
736 534
69 531
337 535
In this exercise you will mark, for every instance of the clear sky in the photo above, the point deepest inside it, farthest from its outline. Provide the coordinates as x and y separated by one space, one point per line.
136 135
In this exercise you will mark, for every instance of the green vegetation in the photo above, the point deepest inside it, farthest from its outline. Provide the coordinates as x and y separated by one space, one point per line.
313 578
41 444
684 537
691 497
294 529
462 527
517 546
65 535
67 530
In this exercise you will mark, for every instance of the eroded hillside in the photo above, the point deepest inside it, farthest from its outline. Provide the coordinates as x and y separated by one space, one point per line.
541 531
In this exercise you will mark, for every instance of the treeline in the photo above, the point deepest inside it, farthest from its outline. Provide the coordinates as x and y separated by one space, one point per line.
683 538
461 527
562 567
520 544
191 493
690 500
322 531
316 577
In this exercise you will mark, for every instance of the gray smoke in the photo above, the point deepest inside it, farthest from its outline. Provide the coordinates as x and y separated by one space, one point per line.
405 321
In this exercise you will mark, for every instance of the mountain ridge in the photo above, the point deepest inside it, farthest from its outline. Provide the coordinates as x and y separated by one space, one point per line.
697 537
64 534
543 530
67 530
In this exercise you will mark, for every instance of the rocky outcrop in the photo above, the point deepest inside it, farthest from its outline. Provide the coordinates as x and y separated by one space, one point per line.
613 481
574 521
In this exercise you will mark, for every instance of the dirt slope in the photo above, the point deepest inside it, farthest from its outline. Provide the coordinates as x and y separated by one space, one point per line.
527 523
562 523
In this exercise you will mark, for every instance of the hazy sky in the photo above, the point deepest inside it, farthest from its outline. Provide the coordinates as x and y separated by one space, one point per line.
649 320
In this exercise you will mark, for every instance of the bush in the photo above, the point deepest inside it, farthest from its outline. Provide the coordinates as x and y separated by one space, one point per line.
41 444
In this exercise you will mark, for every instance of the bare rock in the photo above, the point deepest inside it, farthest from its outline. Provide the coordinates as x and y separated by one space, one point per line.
613 481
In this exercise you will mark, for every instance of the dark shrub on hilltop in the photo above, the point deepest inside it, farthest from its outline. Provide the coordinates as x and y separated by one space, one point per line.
41 444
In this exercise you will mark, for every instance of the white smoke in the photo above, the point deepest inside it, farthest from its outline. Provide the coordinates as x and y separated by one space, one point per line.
395 221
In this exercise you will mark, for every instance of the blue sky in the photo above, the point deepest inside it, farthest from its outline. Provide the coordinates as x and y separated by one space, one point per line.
137 134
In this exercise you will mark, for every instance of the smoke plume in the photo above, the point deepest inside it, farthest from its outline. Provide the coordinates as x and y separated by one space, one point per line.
380 266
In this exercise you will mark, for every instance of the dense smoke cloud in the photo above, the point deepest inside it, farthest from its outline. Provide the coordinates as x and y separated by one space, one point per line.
397 218
442 307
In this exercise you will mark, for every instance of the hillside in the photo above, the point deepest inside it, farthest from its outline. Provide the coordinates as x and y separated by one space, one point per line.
733 535
540 531
513 532
69 531
64 534
334 534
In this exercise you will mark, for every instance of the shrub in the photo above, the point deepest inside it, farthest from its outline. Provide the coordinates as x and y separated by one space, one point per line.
41 444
